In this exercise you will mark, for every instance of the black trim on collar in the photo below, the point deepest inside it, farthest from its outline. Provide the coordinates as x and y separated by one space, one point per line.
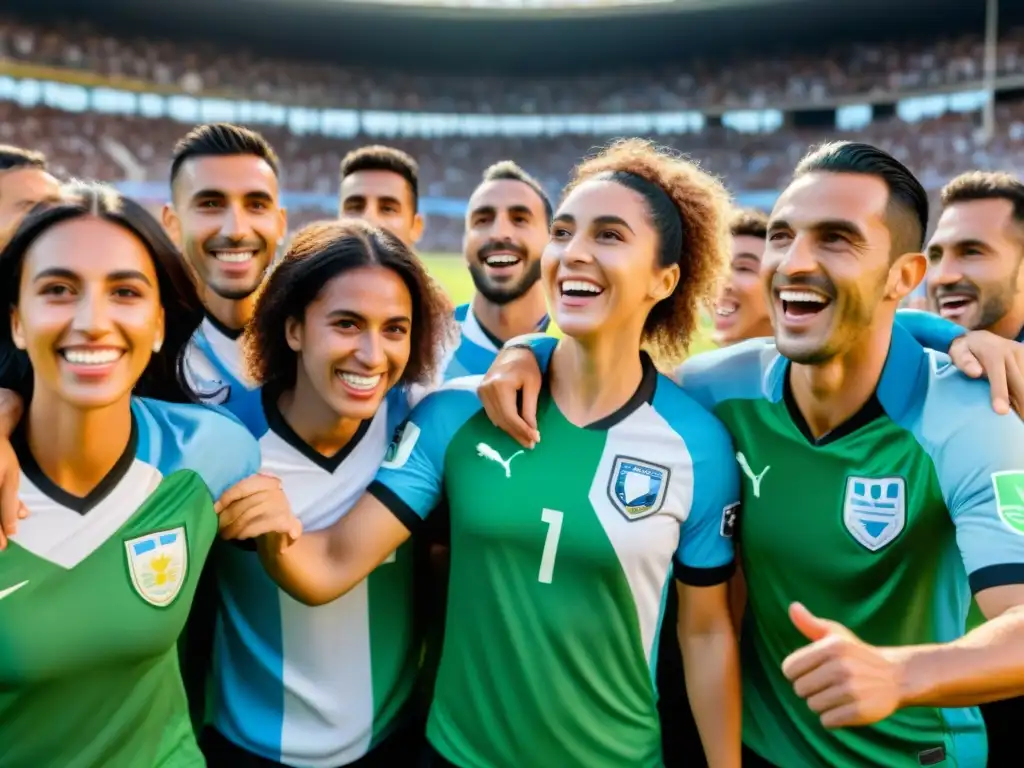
276 422
644 394
232 333
80 504
870 411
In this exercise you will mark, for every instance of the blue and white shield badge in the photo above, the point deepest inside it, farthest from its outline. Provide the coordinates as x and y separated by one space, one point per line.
637 488
158 565
875 510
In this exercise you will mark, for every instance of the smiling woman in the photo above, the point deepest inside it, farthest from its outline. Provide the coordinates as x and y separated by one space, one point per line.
120 488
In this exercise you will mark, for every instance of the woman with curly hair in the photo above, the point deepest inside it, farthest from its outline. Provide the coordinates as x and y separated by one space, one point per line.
345 325
562 557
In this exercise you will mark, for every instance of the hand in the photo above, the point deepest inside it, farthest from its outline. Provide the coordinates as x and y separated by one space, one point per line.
257 506
844 680
11 507
515 370
980 353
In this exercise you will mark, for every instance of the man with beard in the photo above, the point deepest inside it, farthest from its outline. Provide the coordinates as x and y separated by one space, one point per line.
225 216
855 649
381 185
741 312
24 181
506 230
977 252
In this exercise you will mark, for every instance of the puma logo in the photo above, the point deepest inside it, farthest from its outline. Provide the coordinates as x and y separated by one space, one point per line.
755 480
485 451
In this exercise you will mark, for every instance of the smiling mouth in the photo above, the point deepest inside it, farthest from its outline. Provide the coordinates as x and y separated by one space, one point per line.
580 289
359 382
233 257
726 308
954 303
800 303
502 260
91 356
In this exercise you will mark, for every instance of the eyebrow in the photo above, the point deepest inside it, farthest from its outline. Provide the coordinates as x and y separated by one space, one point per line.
488 209
255 193
340 313
833 225
600 221
113 277
746 255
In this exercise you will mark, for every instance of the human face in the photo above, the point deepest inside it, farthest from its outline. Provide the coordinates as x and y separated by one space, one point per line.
741 311
826 263
355 339
88 312
974 258
506 232
20 189
600 268
227 221
383 198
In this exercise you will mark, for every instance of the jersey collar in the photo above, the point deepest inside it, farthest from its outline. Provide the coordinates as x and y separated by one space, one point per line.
644 394
898 392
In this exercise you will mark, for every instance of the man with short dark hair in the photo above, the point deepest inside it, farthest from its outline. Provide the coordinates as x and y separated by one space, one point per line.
977 252
381 184
225 215
24 181
740 312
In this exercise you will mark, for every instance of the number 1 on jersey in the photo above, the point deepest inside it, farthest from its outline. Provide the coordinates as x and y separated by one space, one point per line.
547 559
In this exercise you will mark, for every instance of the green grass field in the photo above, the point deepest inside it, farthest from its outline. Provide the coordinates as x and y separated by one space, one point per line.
450 270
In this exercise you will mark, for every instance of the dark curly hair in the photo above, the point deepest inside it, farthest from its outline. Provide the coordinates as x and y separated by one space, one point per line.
162 379
316 255
691 211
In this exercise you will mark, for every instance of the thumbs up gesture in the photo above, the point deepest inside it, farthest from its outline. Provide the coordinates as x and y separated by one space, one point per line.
843 679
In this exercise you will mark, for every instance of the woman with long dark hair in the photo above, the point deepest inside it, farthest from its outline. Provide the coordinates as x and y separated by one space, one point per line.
120 473
345 325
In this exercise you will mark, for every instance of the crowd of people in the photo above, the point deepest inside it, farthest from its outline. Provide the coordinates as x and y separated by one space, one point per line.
268 500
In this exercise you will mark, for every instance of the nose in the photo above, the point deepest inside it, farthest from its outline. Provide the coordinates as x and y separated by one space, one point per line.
576 251
233 224
91 317
799 258
370 353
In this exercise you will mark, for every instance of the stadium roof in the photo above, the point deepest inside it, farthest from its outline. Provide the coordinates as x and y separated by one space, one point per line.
527 41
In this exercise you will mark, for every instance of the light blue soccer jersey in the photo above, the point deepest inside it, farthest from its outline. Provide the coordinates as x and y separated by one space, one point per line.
561 564
476 349
887 525
95 591
315 687
214 368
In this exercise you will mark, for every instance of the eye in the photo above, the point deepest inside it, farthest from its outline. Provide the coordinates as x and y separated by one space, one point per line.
776 237
346 324
399 330
560 233
834 238
127 292
57 290
209 204
609 234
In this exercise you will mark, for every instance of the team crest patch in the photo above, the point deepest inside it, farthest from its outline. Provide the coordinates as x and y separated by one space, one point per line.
637 488
875 510
1009 491
158 565
730 519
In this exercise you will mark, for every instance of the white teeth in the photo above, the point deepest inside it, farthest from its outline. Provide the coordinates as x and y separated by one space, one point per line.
234 257
581 286
360 382
502 260
803 296
92 356
725 311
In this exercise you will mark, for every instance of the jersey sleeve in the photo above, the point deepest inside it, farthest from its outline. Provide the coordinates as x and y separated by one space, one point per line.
735 372
705 555
979 461
929 330
541 344
410 481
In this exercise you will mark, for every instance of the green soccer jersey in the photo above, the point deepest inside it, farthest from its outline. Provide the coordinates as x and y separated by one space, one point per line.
94 593
886 525
561 560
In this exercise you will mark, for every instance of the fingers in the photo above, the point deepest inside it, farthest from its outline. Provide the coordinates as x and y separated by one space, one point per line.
501 407
1015 381
11 507
531 394
247 487
1000 392
237 510
261 517
963 358
810 657
844 716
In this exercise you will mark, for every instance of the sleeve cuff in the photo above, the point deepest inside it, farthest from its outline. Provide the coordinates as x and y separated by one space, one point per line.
996 576
405 514
704 577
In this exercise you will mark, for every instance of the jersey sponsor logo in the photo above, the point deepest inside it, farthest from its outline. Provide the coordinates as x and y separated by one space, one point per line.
637 488
484 451
204 379
730 518
755 480
875 510
402 443
1009 490
158 565
11 590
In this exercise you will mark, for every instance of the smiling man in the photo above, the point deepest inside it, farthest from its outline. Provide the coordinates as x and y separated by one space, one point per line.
381 184
506 230
226 217
741 312
977 253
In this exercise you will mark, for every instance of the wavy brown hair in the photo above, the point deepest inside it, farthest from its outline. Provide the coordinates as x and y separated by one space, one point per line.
316 255
691 211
